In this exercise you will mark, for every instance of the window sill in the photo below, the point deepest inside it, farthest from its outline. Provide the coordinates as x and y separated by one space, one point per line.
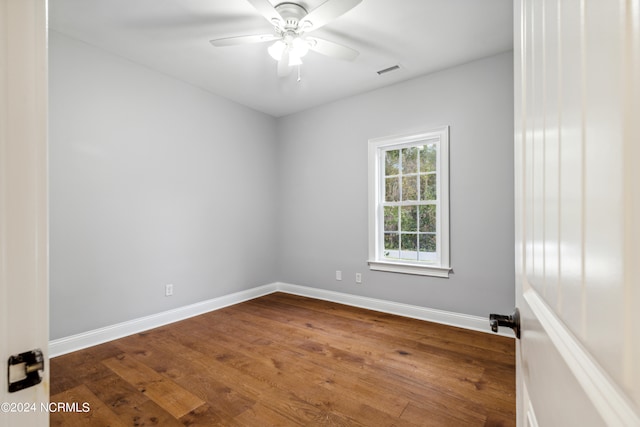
418 269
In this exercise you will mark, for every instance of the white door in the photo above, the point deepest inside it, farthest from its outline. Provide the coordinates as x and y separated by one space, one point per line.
24 315
577 168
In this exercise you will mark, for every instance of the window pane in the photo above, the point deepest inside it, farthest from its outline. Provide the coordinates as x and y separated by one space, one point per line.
409 246
392 189
428 158
427 242
428 186
409 218
409 242
428 218
410 160
391 241
409 188
392 162
391 214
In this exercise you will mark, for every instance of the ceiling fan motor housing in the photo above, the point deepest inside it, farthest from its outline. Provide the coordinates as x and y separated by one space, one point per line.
291 13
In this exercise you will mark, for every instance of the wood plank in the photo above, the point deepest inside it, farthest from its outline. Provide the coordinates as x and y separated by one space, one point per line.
348 384
438 336
407 373
427 414
390 355
99 414
288 360
291 392
81 367
167 394
261 415
131 406
191 372
315 384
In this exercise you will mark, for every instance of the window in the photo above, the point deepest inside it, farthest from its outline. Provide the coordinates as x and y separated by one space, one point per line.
409 203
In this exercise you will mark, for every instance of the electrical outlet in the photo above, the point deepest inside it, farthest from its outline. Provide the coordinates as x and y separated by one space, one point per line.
168 290
338 275
358 277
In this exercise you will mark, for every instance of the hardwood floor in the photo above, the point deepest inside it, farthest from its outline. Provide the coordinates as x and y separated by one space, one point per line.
284 360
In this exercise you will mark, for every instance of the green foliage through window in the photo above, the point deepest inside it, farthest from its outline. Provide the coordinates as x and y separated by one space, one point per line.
410 196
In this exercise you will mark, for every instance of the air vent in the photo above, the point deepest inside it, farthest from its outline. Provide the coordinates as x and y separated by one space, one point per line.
388 70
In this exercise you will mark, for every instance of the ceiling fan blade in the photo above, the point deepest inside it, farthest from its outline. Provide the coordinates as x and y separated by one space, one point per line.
267 10
283 65
327 12
332 49
233 41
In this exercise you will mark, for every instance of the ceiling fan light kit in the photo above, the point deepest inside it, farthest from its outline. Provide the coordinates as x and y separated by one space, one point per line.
291 22
295 46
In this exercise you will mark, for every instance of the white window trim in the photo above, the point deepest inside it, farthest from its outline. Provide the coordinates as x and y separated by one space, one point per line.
376 146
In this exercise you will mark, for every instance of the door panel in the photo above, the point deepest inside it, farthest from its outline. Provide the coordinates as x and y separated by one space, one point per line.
569 73
577 75
551 116
24 315
557 398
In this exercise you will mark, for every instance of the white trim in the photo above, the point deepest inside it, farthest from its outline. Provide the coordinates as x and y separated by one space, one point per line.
532 421
465 321
421 269
72 343
529 416
439 136
66 345
610 402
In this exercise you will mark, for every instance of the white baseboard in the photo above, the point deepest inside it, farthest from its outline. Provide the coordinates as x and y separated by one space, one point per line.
72 343
475 323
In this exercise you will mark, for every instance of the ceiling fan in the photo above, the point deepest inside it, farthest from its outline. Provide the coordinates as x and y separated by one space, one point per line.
291 23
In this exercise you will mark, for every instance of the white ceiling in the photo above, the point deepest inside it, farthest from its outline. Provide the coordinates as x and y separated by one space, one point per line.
172 36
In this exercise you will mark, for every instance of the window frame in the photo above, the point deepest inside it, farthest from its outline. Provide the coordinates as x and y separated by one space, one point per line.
377 148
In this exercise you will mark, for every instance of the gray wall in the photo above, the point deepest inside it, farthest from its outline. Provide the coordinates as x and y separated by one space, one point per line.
323 188
152 181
